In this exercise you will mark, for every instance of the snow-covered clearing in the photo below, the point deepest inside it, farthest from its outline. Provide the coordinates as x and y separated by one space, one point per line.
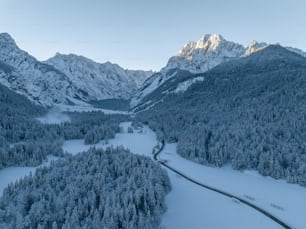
286 201
183 86
87 108
54 116
13 174
140 142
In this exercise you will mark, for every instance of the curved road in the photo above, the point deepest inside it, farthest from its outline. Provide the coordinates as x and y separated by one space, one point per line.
157 151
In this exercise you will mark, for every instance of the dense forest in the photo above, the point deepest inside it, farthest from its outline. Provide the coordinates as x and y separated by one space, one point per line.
24 141
250 113
109 189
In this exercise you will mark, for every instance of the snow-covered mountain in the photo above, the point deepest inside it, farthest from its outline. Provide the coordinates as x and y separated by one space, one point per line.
64 79
199 57
204 54
38 81
99 81
297 51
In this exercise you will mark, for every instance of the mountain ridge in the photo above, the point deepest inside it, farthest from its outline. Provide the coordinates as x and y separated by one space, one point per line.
249 113
47 85
99 80
199 57
73 79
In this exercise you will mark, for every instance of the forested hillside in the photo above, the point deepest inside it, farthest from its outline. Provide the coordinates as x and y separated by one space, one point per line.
110 188
24 141
249 112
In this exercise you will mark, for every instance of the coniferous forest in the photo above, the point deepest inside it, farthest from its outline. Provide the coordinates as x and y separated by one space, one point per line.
24 141
110 188
249 113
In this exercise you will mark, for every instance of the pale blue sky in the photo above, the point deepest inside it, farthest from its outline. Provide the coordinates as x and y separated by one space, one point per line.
143 34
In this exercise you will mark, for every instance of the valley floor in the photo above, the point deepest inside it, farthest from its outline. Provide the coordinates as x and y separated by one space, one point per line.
190 206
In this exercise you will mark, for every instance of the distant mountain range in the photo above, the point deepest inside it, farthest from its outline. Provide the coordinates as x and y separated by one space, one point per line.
72 79
99 81
64 79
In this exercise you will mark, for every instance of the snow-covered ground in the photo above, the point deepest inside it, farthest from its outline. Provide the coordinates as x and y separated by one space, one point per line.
286 201
191 206
54 116
87 108
140 142
182 87
12 174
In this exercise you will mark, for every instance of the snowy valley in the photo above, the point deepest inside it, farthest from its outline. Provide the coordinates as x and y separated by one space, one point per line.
215 139
187 203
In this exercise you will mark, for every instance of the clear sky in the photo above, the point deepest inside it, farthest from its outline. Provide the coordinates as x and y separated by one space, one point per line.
143 34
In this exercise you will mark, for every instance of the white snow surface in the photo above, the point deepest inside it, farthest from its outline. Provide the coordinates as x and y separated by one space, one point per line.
284 200
86 108
54 116
190 206
12 174
99 81
140 142
182 87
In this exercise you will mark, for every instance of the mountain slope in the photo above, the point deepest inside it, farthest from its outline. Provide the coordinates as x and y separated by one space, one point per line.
74 80
39 82
198 57
13 104
206 53
99 81
249 112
